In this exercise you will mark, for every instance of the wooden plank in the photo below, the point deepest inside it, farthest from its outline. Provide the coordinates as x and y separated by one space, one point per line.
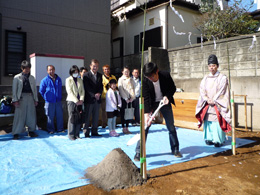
185 95
186 124
185 110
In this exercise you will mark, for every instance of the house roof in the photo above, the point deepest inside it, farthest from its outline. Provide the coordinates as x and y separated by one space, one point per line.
256 14
154 3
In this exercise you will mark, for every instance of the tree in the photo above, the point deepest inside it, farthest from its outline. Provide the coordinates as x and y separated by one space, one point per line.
232 21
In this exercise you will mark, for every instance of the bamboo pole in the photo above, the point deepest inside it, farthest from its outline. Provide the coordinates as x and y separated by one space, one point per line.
142 120
233 125
143 148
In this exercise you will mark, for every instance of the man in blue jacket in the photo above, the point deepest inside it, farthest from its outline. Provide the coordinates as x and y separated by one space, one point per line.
51 91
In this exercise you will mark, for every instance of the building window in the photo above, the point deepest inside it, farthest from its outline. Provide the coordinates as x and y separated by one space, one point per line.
151 21
136 44
153 38
118 47
15 51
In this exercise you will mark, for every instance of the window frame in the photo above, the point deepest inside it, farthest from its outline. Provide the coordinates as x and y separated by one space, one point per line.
23 53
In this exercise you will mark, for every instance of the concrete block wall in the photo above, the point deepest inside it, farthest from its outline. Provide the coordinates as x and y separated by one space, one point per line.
191 62
189 65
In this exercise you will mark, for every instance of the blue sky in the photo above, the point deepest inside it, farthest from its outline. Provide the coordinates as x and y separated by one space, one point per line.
246 3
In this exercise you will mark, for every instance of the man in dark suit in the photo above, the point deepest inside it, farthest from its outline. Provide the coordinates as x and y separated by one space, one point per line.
158 85
93 89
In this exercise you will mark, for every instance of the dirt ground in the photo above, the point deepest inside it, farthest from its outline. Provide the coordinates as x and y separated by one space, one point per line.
221 173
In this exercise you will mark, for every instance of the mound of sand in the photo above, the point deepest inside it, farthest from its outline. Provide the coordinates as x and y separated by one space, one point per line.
115 171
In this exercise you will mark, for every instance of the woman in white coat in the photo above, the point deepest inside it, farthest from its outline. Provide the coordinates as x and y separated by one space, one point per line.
126 86
75 98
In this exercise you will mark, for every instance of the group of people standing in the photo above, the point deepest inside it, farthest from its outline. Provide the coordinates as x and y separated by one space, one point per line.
88 90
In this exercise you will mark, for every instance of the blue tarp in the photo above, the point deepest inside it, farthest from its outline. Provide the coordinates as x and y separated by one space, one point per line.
51 163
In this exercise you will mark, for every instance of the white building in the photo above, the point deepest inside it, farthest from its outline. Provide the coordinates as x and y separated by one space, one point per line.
160 21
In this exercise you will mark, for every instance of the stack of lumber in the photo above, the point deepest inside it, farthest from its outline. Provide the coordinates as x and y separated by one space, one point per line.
184 112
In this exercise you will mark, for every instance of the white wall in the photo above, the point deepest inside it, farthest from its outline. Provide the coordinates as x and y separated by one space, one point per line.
189 18
134 26
62 66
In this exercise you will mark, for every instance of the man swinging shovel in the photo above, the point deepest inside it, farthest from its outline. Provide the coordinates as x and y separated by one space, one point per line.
157 86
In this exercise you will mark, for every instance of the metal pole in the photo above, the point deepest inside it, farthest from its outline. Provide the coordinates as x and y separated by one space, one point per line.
245 113
233 125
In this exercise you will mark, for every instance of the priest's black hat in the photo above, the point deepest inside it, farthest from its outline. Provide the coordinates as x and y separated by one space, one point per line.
213 59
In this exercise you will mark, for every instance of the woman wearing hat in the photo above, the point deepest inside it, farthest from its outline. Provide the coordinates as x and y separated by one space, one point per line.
213 107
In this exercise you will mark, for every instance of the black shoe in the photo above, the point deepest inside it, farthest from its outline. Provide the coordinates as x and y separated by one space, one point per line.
209 142
72 138
32 134
51 132
137 124
96 134
133 124
16 137
87 135
77 137
137 157
217 145
177 154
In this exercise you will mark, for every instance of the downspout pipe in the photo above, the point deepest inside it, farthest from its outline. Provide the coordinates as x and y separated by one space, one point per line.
166 26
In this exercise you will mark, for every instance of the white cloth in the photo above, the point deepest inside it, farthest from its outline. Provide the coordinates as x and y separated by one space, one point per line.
111 103
157 90
215 87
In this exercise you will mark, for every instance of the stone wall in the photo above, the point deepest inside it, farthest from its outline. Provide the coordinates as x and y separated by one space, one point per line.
189 65
191 62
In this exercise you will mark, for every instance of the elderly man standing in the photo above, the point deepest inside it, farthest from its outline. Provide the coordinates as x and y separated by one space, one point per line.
93 86
106 77
51 91
24 99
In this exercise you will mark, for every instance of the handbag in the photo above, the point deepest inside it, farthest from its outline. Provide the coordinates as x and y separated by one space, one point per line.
129 112
76 117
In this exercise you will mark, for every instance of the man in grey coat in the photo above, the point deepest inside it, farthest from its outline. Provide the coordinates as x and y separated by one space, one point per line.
25 99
